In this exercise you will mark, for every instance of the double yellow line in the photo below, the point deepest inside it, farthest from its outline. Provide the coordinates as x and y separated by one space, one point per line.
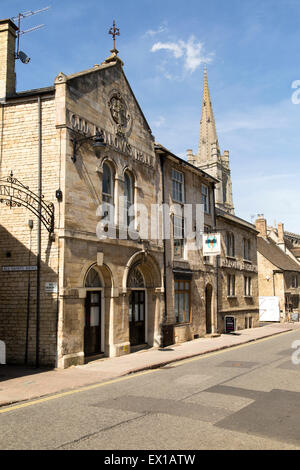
128 377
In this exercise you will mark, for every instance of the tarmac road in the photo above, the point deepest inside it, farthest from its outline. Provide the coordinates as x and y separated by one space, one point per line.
244 398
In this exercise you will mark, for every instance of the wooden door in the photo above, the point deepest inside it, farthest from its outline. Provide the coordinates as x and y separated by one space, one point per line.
92 327
137 317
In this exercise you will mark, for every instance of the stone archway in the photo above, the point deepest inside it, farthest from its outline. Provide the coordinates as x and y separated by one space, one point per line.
97 309
141 286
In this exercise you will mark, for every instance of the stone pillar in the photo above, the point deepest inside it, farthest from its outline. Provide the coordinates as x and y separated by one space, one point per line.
7 58
118 338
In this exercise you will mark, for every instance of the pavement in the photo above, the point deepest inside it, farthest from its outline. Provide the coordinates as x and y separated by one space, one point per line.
20 383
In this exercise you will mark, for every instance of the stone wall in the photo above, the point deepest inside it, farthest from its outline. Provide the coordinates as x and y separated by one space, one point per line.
83 108
239 305
19 153
192 261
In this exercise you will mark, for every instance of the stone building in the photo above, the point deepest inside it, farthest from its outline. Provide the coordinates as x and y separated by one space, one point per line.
191 281
237 291
278 268
75 158
96 295
82 272
238 273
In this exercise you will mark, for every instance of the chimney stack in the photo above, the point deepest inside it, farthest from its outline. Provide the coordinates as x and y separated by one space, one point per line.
7 58
190 157
280 233
261 225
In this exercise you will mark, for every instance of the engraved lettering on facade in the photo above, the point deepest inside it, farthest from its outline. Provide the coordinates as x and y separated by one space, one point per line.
118 142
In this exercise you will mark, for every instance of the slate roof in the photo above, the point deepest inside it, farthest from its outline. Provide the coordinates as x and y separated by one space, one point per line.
161 148
235 219
276 255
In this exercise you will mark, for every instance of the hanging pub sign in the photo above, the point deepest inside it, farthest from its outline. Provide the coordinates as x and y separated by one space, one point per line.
211 244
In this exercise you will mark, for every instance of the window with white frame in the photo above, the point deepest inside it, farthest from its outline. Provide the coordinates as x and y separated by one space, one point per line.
178 236
177 186
247 286
230 285
205 198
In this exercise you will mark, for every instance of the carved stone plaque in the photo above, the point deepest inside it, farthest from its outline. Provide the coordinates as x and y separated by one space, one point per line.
119 113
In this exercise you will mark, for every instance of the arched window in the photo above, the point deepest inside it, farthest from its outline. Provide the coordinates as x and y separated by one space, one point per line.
93 279
135 279
108 192
129 197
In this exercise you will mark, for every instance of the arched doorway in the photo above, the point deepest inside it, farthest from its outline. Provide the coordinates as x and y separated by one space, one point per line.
137 307
208 308
93 313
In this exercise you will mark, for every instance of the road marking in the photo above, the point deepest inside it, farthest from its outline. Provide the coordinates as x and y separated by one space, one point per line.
132 376
71 392
230 348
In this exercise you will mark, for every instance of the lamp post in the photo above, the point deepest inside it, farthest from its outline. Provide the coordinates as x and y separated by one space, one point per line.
97 139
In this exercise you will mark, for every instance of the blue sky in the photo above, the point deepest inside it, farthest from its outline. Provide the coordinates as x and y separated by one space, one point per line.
252 51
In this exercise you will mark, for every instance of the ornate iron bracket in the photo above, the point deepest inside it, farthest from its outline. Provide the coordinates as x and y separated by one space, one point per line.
14 194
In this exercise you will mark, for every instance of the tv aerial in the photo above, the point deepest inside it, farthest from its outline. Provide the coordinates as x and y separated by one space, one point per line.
17 19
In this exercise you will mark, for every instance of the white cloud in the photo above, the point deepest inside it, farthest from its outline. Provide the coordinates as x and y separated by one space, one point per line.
191 51
171 46
154 32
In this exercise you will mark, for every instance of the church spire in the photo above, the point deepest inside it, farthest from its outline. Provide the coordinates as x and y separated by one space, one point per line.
208 141
209 157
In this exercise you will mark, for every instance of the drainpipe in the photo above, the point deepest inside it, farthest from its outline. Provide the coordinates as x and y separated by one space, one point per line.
30 225
215 326
162 162
38 260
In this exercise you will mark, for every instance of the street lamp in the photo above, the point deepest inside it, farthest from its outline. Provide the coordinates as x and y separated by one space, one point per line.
97 139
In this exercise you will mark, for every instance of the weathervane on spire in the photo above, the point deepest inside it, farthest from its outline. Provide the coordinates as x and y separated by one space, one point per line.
114 32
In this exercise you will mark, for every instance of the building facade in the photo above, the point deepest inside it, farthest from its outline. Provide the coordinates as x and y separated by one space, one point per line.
278 268
82 272
98 289
98 294
191 294
238 273
237 291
